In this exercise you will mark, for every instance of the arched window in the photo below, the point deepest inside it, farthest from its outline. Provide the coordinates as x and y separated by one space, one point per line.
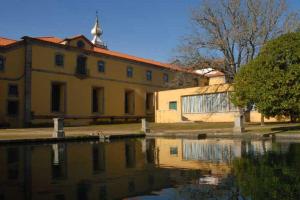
80 44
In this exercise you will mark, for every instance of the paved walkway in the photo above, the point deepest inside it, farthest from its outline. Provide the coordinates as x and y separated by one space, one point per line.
212 129
47 132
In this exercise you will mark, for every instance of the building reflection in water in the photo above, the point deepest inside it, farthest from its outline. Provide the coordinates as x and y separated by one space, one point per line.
59 161
13 162
95 170
98 158
130 154
223 151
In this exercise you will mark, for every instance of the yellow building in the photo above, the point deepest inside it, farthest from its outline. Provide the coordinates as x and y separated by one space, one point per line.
205 103
209 103
80 80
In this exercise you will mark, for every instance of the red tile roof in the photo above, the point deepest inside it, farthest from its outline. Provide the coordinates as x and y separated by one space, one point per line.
56 40
134 58
6 41
50 39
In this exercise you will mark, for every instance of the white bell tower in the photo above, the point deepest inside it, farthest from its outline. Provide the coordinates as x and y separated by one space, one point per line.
97 32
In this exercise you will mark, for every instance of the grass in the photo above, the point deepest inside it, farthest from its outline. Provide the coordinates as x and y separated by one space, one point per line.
135 128
273 127
189 126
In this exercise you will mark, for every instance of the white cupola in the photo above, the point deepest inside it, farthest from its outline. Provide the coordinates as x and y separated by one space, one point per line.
97 32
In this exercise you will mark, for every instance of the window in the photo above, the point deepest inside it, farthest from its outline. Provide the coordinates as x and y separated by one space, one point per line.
149 75
98 100
149 102
173 151
103 192
98 157
129 102
166 78
2 63
12 107
150 151
173 105
13 162
130 154
207 103
81 65
101 66
129 72
80 44
13 90
59 60
83 191
131 186
58 97
151 179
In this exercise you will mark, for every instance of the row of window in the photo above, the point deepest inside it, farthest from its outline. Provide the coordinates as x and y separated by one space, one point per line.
207 103
81 67
58 100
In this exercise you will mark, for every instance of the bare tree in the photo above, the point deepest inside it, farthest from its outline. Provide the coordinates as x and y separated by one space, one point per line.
233 30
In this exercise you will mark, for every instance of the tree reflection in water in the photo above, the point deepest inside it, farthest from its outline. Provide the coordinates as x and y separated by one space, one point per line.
274 175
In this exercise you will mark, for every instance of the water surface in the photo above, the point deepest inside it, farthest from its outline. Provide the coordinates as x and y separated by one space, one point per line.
151 169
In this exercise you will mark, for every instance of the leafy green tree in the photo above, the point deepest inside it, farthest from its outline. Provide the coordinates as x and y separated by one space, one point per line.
271 81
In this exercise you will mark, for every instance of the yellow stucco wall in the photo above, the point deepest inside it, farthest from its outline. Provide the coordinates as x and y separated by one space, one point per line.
73 42
79 91
12 74
216 80
256 117
164 115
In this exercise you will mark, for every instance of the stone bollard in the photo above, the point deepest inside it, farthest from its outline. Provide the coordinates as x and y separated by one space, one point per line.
239 123
58 128
145 128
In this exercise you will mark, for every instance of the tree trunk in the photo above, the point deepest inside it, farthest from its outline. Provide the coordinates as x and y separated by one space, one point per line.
262 120
293 118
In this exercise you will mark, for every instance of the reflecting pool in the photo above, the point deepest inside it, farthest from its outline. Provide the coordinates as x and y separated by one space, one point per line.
151 169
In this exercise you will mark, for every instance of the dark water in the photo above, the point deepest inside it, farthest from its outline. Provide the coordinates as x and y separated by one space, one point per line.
151 169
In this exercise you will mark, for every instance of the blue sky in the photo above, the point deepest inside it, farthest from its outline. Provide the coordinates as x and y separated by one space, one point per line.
145 28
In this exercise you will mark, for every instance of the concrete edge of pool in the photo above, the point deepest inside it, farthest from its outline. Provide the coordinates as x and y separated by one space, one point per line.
184 135
72 138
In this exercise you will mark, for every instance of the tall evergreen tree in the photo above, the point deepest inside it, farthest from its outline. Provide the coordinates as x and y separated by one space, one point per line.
271 81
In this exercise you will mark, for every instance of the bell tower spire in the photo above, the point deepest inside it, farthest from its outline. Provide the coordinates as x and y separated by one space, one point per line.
97 32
